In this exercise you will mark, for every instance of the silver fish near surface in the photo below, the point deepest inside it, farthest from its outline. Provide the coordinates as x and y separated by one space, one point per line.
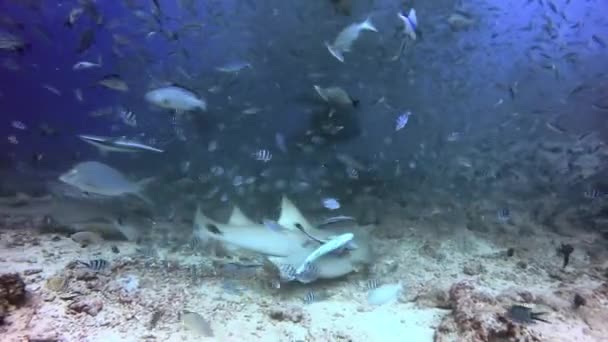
83 65
127 117
234 67
402 120
410 23
331 203
176 98
263 156
101 179
336 96
345 39
109 144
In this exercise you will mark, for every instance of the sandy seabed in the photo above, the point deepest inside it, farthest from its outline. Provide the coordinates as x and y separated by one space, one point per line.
457 287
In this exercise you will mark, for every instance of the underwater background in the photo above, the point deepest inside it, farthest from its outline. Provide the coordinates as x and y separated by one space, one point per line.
319 170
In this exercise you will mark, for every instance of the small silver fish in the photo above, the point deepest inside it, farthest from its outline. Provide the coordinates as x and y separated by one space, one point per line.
336 96
127 117
52 89
331 203
12 139
251 110
402 120
410 23
263 156
101 179
345 39
279 139
454 136
109 144
176 98
114 82
85 65
196 323
78 95
18 125
234 67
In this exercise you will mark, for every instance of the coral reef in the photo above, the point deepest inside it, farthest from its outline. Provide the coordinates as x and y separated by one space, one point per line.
12 293
475 317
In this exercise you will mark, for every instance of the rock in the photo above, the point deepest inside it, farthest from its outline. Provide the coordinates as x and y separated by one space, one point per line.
478 317
293 314
12 292
12 289
85 238
32 271
48 297
89 306
432 249
56 284
473 268
434 298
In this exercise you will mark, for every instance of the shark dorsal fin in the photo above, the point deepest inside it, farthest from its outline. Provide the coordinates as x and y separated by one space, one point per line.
290 216
200 220
237 218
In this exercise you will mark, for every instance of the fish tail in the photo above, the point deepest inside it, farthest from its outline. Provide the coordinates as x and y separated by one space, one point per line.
335 52
142 184
144 198
368 25
413 18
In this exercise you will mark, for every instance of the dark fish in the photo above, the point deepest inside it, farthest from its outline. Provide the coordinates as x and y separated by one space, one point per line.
578 89
552 6
565 250
147 252
46 130
592 194
95 265
522 314
600 106
599 41
504 215
113 81
579 301
336 219
86 40
156 316
91 10
73 17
